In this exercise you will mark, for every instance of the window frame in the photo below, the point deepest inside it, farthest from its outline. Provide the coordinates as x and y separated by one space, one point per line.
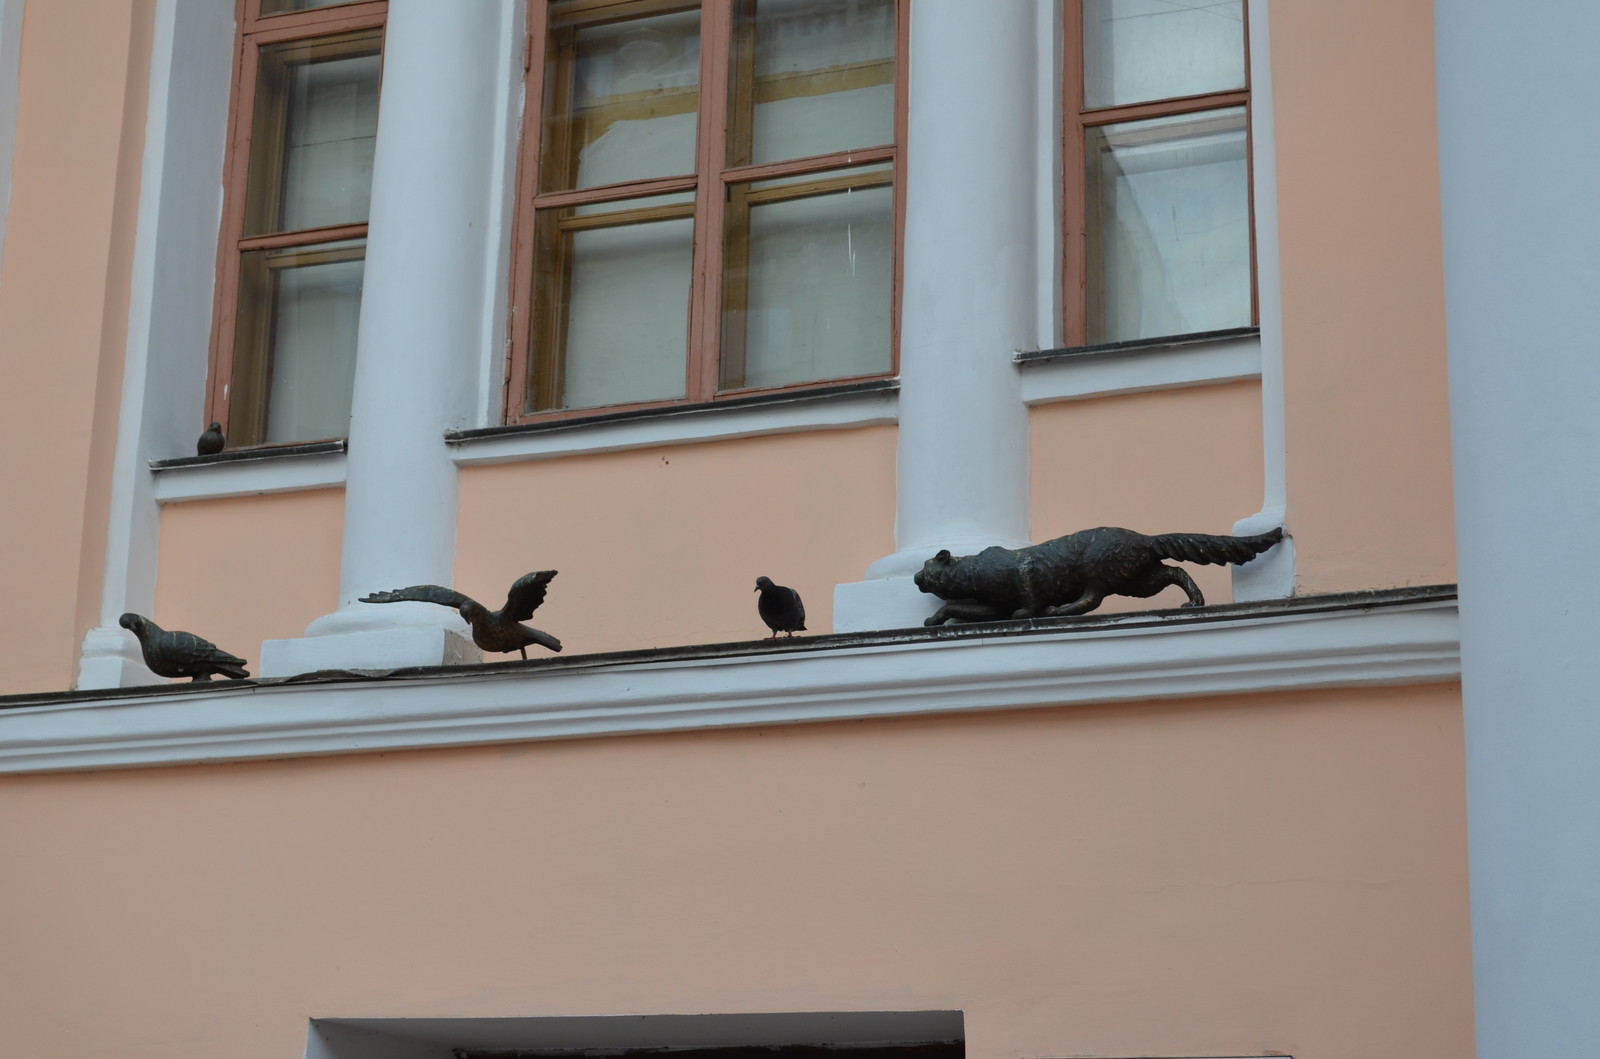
254 31
1077 120
711 183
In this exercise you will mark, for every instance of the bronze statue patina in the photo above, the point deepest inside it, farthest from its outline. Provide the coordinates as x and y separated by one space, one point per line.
492 630
1075 573
181 654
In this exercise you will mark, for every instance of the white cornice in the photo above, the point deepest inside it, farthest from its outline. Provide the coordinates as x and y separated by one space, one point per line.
1131 659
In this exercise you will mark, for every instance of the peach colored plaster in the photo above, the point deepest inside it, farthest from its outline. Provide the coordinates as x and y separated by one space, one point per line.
1173 461
1268 875
1363 298
63 320
659 547
250 569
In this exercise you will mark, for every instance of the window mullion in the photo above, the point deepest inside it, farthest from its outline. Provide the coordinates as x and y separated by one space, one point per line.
710 200
1074 201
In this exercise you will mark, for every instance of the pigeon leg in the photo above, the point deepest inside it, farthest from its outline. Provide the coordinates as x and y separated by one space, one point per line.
524 651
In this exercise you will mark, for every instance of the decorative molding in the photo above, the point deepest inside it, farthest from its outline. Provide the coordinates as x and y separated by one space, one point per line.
1072 375
271 473
1404 637
836 411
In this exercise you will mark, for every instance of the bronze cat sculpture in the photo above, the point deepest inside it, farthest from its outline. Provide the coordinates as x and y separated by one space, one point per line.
1075 573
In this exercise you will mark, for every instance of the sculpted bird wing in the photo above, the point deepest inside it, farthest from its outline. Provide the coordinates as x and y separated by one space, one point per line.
187 647
526 595
445 597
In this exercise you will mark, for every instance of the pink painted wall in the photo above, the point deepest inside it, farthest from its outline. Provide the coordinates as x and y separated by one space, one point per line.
1279 874
1175 461
661 547
249 569
63 312
1363 295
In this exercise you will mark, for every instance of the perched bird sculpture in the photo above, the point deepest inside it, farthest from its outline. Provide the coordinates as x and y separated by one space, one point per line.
1073 574
181 654
492 630
780 608
211 442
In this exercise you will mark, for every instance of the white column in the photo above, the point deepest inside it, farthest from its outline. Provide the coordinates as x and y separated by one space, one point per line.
421 331
1521 226
969 297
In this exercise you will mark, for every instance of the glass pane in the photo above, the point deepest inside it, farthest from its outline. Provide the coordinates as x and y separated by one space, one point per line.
807 290
810 77
1169 226
316 120
295 349
621 100
1138 50
278 7
611 316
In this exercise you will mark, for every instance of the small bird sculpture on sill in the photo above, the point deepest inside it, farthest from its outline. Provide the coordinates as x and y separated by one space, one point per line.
492 630
780 608
181 654
211 442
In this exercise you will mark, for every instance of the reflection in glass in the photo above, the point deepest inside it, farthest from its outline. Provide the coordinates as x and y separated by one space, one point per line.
613 320
807 289
810 77
278 7
311 143
1139 50
295 350
1168 226
620 100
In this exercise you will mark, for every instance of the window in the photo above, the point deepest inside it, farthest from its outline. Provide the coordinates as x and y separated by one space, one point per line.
708 201
1157 200
294 227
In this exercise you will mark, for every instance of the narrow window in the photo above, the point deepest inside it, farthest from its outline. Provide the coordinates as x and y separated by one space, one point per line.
708 203
298 183
1159 239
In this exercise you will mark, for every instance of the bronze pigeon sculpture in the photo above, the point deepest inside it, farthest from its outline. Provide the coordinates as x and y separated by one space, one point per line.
1073 574
492 630
211 442
181 654
780 608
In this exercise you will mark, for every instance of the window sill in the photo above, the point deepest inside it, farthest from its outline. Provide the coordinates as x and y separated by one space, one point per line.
1203 359
831 408
250 472
1399 636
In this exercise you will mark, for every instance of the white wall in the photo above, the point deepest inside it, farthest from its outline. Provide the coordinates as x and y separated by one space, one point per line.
1519 151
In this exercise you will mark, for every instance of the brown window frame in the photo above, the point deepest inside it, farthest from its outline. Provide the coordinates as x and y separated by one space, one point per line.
1074 202
254 31
711 183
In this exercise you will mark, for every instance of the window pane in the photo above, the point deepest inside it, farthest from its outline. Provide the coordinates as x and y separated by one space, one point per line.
620 100
1168 226
316 120
807 290
611 313
295 353
1139 50
278 7
810 77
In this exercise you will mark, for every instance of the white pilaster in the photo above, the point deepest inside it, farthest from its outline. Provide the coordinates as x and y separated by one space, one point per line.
1272 575
434 205
969 298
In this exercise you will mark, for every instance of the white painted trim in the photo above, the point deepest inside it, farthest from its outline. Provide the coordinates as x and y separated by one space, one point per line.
1076 377
10 70
842 412
214 481
1124 660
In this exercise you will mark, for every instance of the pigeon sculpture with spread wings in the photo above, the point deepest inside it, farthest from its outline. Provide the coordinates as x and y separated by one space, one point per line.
181 654
492 630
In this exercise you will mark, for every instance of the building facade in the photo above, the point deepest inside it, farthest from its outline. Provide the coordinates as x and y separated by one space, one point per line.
667 295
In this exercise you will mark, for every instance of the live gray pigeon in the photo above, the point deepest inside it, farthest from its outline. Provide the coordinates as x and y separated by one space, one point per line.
496 630
780 608
181 654
211 442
